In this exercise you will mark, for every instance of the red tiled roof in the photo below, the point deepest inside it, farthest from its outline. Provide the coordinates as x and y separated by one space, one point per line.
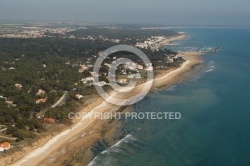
48 120
5 145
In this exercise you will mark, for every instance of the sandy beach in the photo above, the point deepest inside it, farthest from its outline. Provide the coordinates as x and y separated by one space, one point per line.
86 130
169 40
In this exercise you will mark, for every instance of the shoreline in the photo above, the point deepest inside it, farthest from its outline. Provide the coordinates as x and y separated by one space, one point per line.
84 125
168 41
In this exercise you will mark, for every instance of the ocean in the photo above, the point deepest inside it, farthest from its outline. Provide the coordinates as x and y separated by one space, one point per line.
214 129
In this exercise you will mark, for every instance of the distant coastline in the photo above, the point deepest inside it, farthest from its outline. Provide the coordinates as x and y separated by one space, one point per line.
168 41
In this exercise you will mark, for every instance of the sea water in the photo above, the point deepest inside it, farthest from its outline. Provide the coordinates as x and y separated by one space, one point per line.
215 106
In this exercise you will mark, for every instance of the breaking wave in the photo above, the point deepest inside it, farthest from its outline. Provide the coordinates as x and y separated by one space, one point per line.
105 157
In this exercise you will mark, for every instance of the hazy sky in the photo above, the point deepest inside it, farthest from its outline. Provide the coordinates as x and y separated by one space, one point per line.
167 12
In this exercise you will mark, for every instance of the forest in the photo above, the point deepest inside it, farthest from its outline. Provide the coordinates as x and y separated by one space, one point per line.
51 65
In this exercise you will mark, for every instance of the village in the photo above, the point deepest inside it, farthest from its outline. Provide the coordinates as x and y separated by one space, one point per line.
27 32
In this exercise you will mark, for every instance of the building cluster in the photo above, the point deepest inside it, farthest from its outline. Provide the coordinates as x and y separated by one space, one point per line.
105 38
126 70
172 58
150 43
9 102
82 68
41 93
94 38
41 32
33 32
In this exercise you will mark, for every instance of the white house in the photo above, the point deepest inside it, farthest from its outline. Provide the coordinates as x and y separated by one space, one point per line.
89 78
79 96
140 67
2 97
123 81
84 80
18 86
41 92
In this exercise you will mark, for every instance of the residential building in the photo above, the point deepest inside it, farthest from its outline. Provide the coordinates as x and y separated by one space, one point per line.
4 146
48 120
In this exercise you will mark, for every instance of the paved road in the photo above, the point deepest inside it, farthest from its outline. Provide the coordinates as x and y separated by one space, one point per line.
60 101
